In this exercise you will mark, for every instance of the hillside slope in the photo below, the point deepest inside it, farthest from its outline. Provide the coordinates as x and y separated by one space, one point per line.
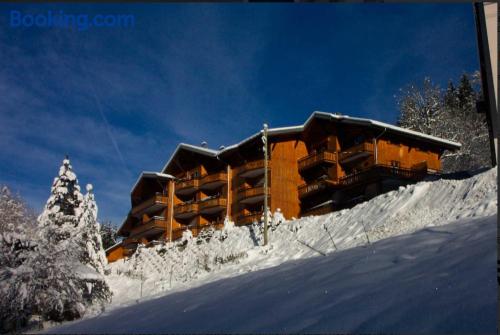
165 269
438 280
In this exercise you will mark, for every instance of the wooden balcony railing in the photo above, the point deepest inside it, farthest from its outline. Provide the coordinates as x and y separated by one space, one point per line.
215 178
246 219
317 158
257 165
379 171
156 202
157 223
187 185
216 202
373 173
355 152
318 210
184 209
246 192
315 187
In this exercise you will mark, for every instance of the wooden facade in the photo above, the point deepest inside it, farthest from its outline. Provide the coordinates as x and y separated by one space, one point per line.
115 253
330 162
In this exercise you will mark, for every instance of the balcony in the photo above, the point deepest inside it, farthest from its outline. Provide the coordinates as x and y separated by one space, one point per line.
186 210
213 181
252 195
306 190
212 206
155 225
187 187
324 157
318 210
252 169
151 205
247 219
356 152
379 171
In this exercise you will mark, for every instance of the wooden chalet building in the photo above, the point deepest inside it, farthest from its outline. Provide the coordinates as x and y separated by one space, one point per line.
330 162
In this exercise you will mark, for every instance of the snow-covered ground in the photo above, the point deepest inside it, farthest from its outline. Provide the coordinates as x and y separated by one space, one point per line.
360 283
436 280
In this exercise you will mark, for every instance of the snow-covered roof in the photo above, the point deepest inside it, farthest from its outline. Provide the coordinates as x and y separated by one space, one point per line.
369 122
271 132
192 148
346 119
113 246
150 174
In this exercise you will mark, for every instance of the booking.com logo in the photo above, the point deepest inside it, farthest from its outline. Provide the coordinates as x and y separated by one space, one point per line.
59 19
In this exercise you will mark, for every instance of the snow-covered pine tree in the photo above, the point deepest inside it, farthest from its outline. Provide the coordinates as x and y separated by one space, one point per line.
72 253
90 234
62 209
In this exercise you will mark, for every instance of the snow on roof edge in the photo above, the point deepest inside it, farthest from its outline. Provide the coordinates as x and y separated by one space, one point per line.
150 174
293 129
351 119
113 246
190 147
271 131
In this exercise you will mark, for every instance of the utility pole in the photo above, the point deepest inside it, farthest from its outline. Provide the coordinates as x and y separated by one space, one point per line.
264 141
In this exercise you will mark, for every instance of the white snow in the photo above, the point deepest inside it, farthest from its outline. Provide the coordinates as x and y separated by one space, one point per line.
393 278
343 119
436 280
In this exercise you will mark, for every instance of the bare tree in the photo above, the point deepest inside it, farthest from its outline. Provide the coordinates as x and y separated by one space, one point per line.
449 114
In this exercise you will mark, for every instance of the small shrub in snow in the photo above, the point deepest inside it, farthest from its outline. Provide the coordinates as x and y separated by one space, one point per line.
277 218
205 235
183 261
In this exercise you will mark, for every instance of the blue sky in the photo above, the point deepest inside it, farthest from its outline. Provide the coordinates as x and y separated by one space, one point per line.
119 100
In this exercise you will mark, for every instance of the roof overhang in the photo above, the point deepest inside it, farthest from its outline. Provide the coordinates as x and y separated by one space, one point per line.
447 144
114 246
189 147
270 132
151 175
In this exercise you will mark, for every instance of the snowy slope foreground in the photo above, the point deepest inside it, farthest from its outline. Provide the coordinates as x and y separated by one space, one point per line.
160 270
436 280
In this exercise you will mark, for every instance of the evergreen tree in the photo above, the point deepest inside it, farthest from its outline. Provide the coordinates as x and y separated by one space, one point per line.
71 280
63 206
450 96
90 235
466 95
56 271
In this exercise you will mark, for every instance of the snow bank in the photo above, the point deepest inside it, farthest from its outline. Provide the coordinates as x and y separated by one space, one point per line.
233 251
436 280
